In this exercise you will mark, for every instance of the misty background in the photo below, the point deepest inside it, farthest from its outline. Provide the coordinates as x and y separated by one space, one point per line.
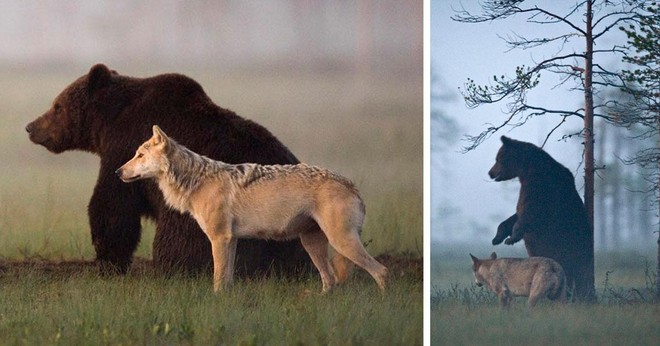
369 36
466 206
338 82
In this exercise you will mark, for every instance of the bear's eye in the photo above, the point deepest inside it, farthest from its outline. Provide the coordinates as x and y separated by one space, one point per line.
139 155
57 108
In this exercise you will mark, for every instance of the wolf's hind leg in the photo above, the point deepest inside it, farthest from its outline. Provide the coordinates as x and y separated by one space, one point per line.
316 245
341 220
542 286
342 267
351 247
534 297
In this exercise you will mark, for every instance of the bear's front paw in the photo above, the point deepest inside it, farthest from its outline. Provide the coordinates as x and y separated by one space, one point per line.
497 240
514 238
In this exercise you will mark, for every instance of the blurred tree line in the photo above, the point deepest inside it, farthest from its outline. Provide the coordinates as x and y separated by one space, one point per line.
624 213
365 36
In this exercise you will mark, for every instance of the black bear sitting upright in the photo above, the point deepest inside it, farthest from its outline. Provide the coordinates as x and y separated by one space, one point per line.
550 216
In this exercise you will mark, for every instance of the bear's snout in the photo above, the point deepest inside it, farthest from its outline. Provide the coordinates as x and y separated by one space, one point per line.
493 173
38 132
37 135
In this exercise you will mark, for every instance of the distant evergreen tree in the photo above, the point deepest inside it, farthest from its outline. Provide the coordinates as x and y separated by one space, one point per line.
644 37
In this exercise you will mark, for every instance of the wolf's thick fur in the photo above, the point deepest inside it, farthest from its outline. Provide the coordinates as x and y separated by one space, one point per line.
275 202
536 277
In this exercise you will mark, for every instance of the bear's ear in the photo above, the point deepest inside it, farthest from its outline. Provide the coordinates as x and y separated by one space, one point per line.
493 256
505 139
98 77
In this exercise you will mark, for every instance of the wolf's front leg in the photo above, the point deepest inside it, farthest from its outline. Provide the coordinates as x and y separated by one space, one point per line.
505 297
224 254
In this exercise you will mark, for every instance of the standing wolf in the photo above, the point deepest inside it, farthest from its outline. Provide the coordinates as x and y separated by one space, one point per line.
277 202
536 277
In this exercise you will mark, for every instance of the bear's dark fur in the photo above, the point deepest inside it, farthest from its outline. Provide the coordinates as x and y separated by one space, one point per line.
550 215
110 115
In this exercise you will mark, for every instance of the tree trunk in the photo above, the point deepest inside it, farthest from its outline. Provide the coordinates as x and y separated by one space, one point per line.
589 293
617 185
657 276
603 184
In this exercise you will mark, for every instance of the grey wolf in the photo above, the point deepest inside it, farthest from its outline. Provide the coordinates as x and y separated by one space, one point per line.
276 202
534 277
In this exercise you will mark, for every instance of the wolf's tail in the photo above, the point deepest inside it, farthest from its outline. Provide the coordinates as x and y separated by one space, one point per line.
342 267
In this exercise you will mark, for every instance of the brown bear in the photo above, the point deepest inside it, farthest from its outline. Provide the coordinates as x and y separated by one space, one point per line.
550 216
110 115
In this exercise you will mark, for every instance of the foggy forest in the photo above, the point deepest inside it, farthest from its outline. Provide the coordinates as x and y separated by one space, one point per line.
626 208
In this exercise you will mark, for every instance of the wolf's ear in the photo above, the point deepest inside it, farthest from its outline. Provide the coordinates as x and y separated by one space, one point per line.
474 259
493 256
159 136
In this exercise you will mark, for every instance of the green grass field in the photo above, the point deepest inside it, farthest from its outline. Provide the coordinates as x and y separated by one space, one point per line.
369 130
464 314
75 306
